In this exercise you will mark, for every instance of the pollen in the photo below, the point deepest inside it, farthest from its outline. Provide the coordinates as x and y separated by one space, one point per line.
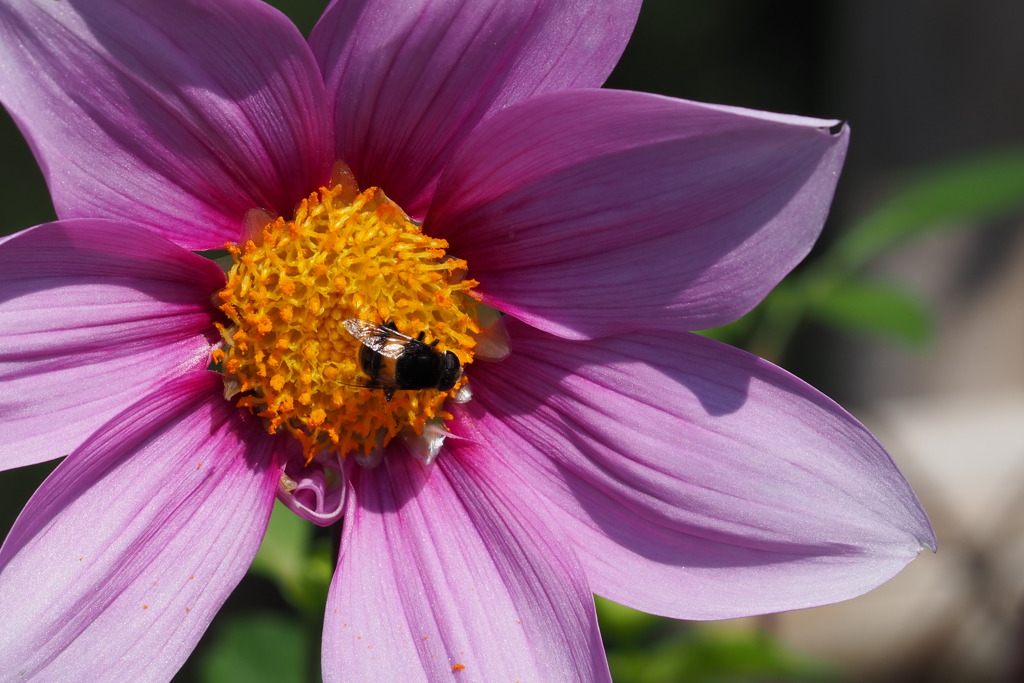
286 354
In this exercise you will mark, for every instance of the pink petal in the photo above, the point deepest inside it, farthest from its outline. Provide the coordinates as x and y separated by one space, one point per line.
92 315
179 116
122 557
697 481
452 570
410 79
314 491
591 212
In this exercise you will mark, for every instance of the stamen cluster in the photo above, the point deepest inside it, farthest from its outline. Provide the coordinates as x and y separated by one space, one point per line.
286 352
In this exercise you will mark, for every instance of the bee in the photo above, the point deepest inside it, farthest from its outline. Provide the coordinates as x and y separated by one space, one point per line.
394 361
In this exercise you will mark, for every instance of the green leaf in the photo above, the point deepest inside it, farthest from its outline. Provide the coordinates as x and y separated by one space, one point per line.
621 624
954 195
703 654
285 545
875 309
257 648
736 332
291 559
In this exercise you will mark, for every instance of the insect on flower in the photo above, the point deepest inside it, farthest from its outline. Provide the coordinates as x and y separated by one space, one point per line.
434 165
394 361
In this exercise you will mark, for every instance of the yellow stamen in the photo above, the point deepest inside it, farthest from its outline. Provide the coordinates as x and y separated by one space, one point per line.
344 255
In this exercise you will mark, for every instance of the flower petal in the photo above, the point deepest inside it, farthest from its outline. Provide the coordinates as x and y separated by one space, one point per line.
315 490
696 480
410 79
452 569
591 212
124 554
179 116
92 315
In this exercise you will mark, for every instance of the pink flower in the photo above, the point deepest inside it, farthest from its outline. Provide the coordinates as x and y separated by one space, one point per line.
610 452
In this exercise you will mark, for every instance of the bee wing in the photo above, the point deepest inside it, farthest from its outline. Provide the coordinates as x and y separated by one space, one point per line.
386 341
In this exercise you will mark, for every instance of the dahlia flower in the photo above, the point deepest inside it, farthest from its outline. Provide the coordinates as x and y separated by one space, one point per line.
446 168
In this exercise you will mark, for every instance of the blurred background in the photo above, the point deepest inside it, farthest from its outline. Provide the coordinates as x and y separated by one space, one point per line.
910 312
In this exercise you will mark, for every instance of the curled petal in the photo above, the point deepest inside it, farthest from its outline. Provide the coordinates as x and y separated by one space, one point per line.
410 79
452 569
122 557
591 212
697 481
178 116
315 492
93 314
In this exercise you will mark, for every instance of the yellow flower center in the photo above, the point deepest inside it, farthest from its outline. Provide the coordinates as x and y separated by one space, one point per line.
345 256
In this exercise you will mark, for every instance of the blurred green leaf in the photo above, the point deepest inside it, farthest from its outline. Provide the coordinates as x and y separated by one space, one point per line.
735 332
291 559
954 195
257 648
875 309
285 545
776 319
621 624
704 654
960 194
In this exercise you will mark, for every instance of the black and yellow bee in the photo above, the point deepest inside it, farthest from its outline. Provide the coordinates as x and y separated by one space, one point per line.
393 361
